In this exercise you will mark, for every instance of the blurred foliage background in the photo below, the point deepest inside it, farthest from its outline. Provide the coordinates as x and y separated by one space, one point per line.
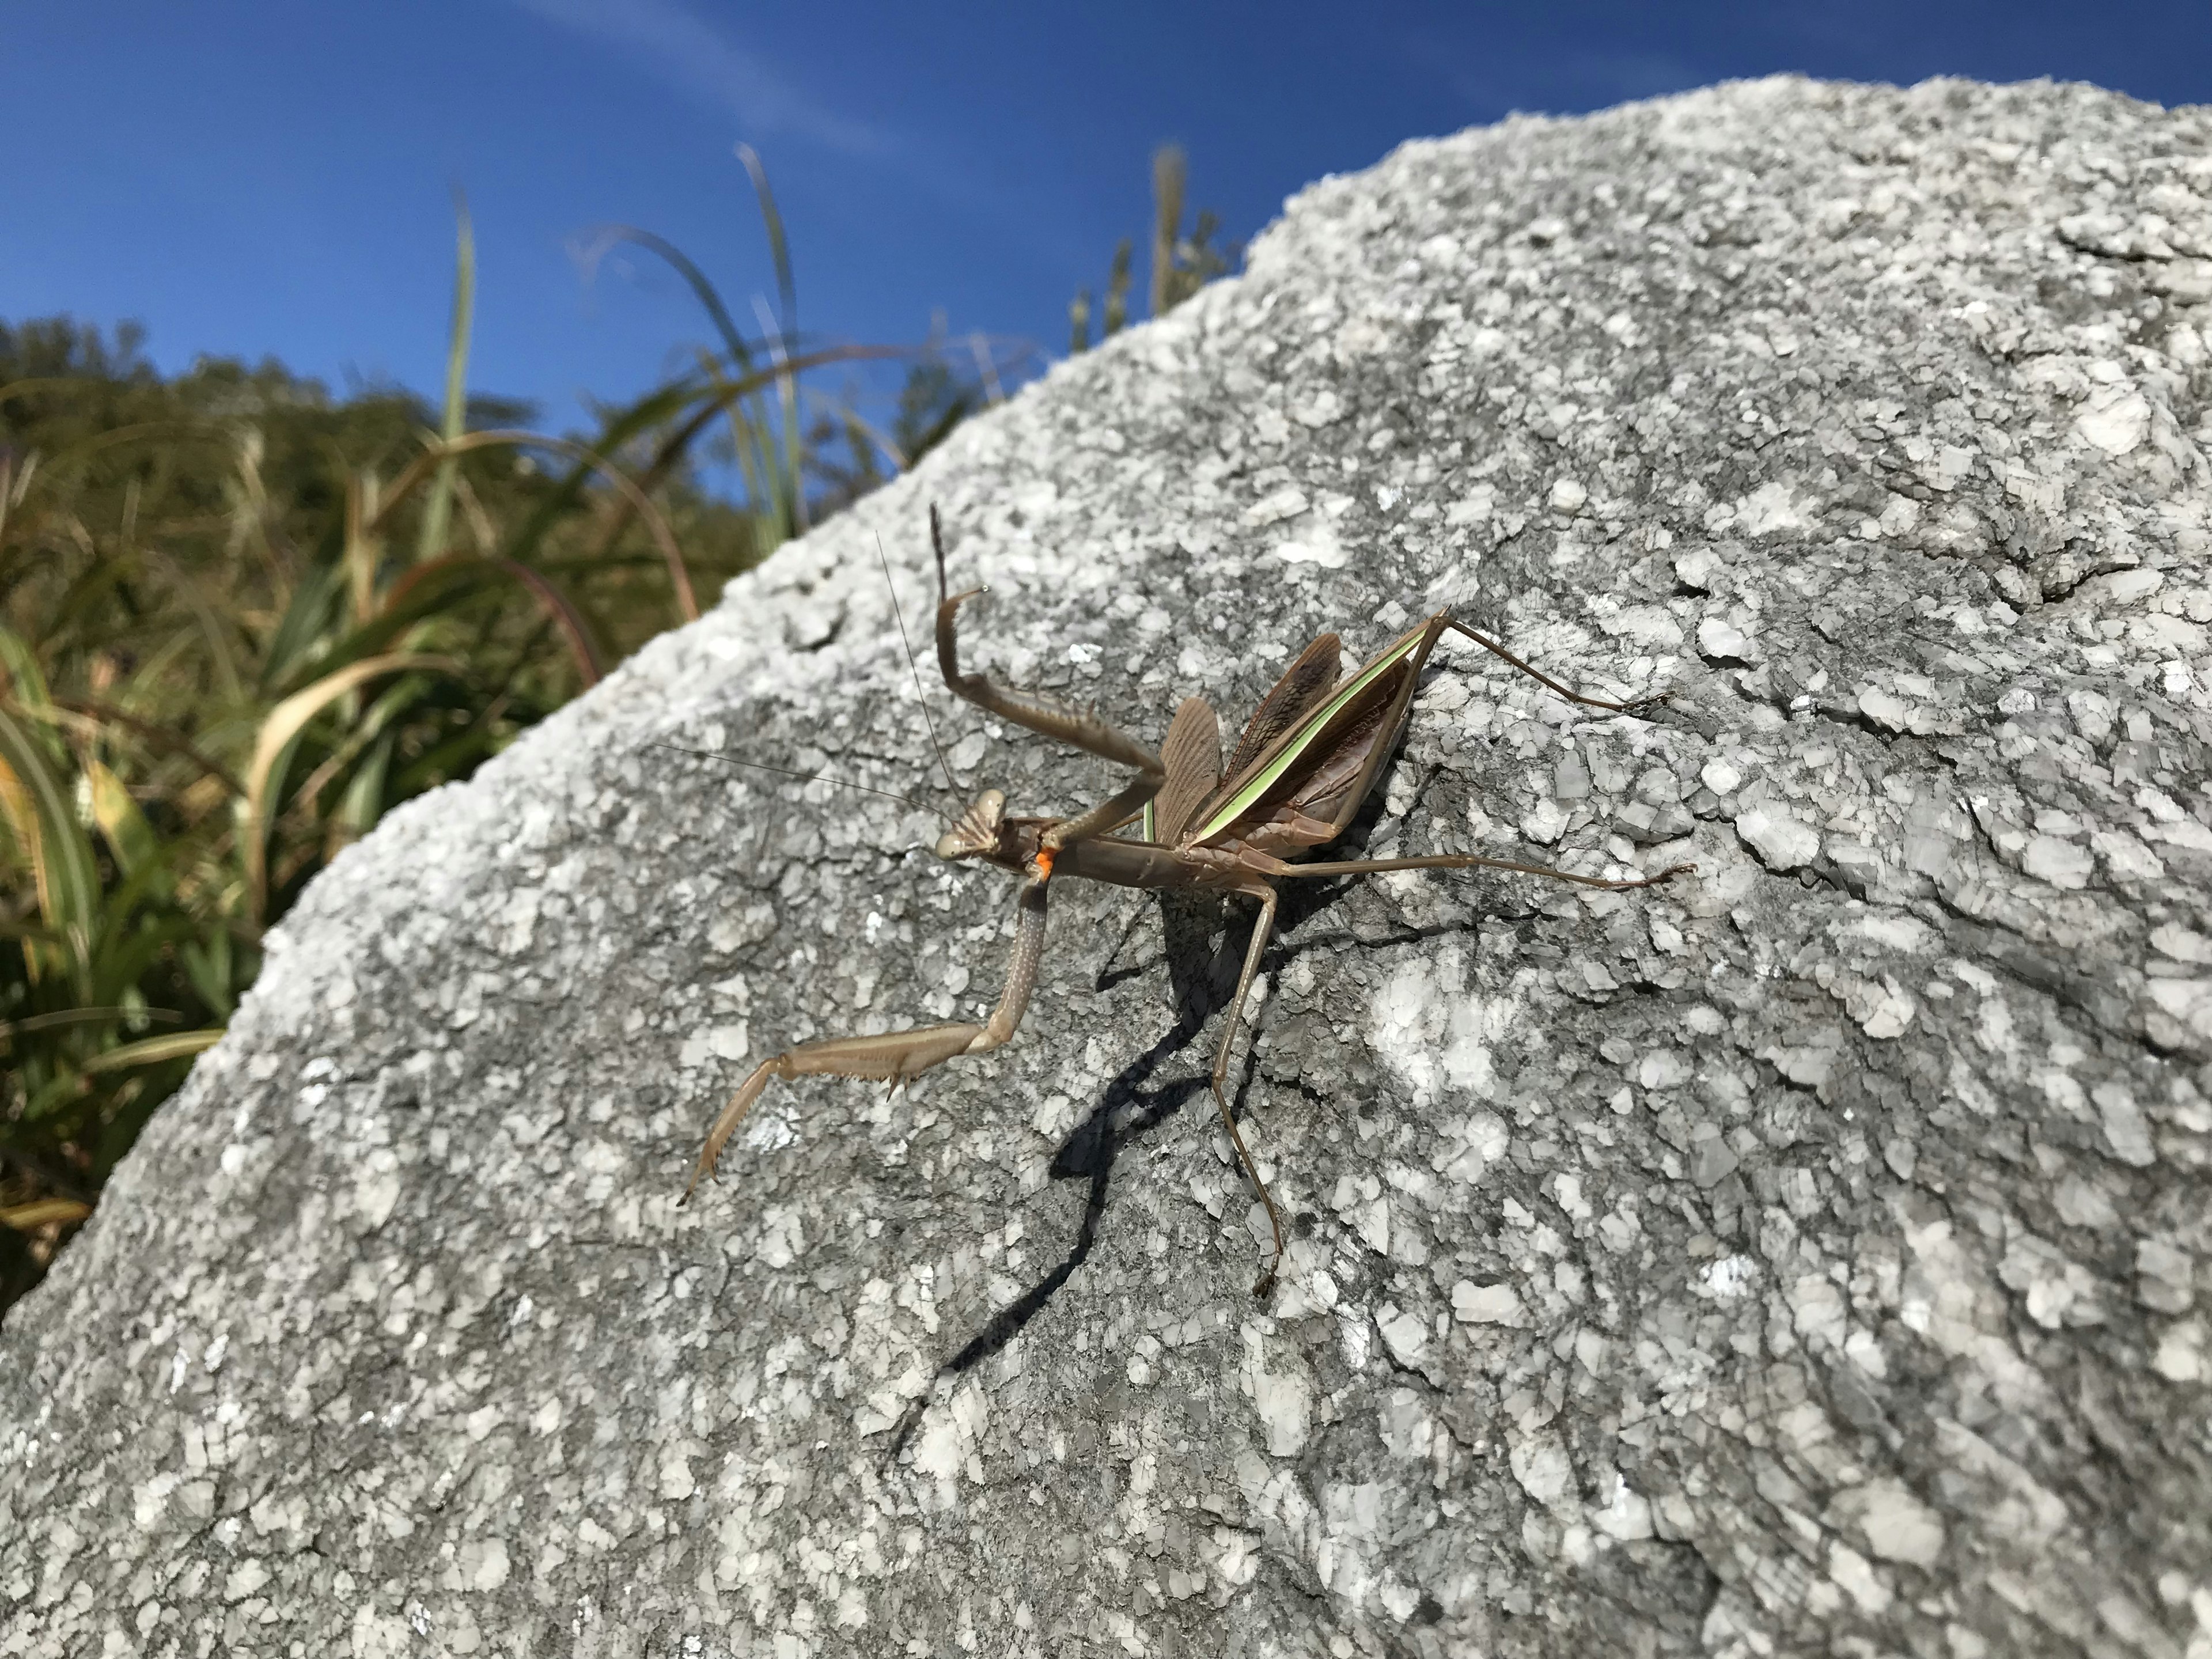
241 619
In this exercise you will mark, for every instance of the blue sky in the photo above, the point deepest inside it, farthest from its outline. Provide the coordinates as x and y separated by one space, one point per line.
248 177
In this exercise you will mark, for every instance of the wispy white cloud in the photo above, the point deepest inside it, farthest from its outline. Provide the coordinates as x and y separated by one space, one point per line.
687 51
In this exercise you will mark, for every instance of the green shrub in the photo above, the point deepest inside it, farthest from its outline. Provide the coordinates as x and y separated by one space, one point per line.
241 620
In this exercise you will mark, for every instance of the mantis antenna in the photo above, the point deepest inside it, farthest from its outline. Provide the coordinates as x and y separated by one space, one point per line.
804 777
920 694
906 645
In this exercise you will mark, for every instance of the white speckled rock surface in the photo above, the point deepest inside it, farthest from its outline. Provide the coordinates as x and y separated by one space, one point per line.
1812 1257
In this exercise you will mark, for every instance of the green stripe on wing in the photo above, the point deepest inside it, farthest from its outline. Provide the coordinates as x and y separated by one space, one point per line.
1296 744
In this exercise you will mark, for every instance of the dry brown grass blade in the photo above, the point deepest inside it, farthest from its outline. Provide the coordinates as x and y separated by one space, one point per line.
679 575
43 1212
152 1051
360 545
559 610
565 616
173 431
676 446
157 736
285 722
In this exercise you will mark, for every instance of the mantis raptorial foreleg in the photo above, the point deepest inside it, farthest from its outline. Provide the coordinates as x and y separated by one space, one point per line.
1082 731
895 1056
1079 730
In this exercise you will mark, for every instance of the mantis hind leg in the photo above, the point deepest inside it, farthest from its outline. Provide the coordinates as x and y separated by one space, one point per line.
894 1056
1636 707
1474 862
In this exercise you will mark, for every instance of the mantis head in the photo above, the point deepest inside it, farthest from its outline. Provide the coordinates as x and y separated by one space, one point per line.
980 832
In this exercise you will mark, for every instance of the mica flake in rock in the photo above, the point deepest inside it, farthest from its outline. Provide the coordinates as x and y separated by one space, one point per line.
1811 1257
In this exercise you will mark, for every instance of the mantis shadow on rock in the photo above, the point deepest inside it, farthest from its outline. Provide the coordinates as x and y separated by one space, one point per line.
1201 978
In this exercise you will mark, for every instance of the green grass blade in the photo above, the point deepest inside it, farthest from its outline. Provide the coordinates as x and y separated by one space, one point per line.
296 647
272 752
787 289
1170 170
44 822
1117 293
439 511
130 837
20 665
152 1051
364 799
710 299
655 409
209 966
214 635
587 461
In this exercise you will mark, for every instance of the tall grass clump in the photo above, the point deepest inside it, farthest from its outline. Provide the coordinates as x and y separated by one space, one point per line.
241 621
1181 262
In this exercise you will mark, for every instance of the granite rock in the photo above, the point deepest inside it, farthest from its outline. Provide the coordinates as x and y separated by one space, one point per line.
1810 1256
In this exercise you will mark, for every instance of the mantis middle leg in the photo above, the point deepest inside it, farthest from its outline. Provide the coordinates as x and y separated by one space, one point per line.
895 1056
1262 929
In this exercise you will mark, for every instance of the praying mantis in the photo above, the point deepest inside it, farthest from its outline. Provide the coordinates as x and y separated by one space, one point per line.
1306 761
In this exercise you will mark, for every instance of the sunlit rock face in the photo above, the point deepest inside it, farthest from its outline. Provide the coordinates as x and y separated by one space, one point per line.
1808 1256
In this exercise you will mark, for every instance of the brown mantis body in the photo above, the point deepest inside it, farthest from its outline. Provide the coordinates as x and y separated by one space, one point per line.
1297 777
